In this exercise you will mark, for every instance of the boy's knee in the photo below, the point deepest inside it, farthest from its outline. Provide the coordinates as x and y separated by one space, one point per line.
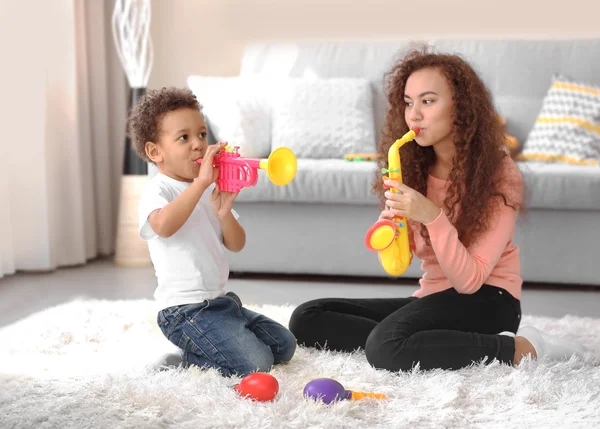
287 347
257 361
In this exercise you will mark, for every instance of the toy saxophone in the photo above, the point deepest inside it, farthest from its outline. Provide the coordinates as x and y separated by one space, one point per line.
390 238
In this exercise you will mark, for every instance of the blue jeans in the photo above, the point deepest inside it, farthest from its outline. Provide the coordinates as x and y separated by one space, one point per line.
220 333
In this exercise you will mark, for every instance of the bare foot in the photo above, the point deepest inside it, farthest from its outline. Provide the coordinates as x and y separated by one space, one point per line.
523 348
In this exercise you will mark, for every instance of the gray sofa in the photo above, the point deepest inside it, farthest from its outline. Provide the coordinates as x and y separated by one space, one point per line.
317 224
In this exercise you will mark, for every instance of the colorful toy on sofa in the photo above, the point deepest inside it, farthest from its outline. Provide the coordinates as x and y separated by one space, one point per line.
357 157
236 172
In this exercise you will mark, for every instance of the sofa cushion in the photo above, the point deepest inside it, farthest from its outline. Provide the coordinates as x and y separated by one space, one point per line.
328 181
323 118
561 186
318 181
517 72
237 110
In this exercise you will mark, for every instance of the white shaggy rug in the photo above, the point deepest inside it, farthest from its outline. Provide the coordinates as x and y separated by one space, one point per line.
88 364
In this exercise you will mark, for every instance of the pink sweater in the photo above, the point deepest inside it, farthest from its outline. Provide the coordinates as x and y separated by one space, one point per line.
493 259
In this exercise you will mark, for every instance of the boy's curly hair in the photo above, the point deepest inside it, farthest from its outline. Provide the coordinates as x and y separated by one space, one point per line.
476 173
144 119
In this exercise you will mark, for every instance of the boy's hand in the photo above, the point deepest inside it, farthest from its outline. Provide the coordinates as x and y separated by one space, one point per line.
208 174
221 202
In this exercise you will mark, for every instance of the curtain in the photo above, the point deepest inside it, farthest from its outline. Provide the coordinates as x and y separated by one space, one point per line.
63 129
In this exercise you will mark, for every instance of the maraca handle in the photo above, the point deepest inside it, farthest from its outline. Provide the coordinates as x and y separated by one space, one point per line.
357 396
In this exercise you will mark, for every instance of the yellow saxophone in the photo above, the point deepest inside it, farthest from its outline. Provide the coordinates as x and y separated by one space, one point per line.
390 238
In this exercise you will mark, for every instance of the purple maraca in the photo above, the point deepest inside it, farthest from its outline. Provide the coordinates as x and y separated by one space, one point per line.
326 390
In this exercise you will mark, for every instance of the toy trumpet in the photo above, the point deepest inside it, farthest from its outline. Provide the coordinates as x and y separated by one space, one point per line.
329 390
390 238
236 172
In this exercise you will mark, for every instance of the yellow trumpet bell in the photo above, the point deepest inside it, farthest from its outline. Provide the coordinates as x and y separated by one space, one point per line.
281 166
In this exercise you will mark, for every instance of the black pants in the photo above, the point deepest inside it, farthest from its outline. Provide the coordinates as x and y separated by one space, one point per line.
444 330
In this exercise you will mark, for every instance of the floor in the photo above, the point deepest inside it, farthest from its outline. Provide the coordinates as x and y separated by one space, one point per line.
24 294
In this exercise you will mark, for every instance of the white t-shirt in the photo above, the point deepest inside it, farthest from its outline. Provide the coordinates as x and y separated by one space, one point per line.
191 265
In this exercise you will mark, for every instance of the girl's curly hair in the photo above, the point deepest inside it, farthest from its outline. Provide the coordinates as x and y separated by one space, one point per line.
144 119
478 135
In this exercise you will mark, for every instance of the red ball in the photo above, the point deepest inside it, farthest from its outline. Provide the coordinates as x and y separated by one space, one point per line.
258 386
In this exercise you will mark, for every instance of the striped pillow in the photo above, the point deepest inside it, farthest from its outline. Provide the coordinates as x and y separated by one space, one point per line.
567 129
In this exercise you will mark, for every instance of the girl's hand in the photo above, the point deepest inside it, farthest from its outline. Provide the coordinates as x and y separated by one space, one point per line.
408 203
221 202
386 214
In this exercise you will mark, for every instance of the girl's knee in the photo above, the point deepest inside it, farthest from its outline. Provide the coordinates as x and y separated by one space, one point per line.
303 318
383 351
299 315
300 309
374 348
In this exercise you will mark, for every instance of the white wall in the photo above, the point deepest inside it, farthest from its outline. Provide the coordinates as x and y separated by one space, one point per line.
207 36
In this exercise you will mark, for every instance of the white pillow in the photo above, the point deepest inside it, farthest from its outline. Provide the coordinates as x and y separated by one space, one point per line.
237 111
323 118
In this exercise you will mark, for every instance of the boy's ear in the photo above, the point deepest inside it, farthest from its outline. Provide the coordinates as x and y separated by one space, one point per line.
153 151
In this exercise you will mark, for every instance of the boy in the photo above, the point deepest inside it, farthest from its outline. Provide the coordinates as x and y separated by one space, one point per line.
187 228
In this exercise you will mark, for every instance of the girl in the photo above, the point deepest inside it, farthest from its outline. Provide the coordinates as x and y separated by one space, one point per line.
461 195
